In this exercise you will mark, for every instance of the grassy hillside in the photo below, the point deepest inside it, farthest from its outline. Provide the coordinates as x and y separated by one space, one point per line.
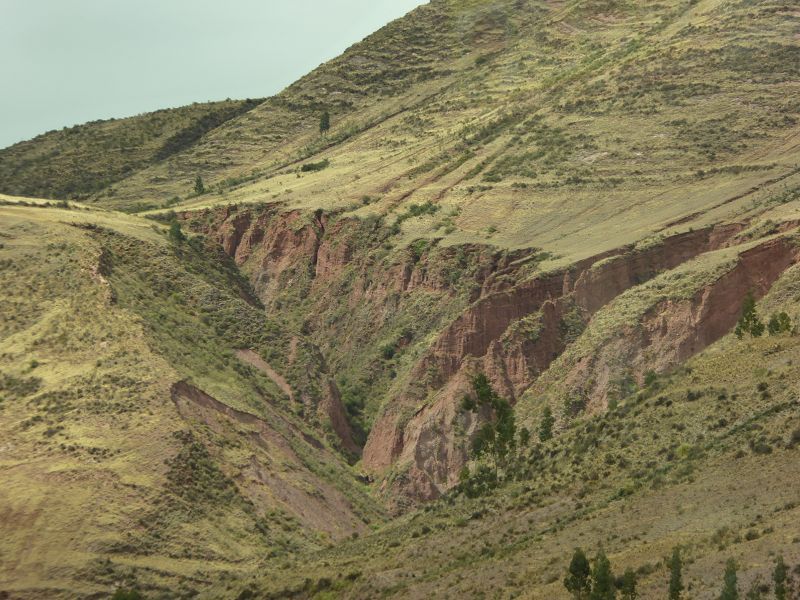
103 319
257 391
79 161
553 107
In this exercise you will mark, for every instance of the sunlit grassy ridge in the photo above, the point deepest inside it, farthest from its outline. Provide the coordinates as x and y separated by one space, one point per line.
78 161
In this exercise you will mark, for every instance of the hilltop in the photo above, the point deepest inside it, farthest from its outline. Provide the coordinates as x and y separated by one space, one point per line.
261 379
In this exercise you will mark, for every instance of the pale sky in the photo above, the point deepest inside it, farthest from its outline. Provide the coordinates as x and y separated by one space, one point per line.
65 62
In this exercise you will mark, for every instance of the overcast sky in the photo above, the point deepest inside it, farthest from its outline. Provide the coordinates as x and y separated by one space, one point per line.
65 62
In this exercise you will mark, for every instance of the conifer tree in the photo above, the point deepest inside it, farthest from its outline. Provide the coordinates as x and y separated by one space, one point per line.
546 425
779 576
577 580
730 590
602 579
779 323
325 122
175 233
496 439
675 575
199 187
628 587
749 321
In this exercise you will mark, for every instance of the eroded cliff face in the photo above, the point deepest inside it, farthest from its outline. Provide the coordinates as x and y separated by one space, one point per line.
484 310
673 330
513 336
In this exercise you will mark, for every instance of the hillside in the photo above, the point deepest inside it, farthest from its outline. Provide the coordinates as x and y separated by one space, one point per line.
76 162
258 390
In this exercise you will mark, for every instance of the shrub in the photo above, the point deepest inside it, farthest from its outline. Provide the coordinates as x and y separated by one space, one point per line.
779 323
650 378
418 210
317 166
546 425
794 438
175 233
125 594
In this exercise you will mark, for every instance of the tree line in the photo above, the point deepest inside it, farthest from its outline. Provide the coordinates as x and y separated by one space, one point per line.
587 581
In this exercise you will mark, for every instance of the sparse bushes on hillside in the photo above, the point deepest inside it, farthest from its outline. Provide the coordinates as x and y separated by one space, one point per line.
416 210
126 594
195 130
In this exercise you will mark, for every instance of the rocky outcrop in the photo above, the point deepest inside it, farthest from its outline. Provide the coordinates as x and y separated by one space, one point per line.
675 329
515 324
488 337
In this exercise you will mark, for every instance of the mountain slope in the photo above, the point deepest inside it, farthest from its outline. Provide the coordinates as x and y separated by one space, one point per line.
127 416
79 161
572 198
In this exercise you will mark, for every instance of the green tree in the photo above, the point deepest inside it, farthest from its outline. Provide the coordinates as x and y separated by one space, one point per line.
779 576
602 579
675 574
749 322
628 586
199 187
577 580
785 322
779 323
175 233
325 122
730 590
524 437
496 439
546 425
